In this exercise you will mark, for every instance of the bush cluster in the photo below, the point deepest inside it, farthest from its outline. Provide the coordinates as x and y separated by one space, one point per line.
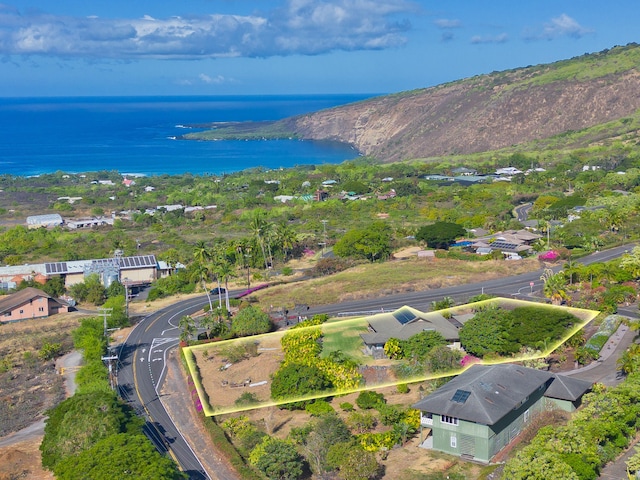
594 436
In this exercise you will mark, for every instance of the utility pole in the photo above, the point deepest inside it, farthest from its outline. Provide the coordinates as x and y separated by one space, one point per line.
125 282
324 229
109 359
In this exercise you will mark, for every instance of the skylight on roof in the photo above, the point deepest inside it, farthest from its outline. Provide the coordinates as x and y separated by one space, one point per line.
404 316
460 396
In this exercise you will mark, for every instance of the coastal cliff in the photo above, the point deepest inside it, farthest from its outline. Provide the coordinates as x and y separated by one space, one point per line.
486 112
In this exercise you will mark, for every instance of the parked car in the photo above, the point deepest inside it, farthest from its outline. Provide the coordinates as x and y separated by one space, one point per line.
216 291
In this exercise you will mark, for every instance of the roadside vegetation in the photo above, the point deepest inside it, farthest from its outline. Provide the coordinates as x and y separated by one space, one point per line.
93 433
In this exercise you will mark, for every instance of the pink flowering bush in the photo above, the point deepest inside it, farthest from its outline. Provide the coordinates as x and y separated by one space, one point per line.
550 256
468 360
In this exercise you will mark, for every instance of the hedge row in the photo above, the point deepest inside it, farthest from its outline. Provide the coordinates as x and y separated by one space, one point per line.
607 328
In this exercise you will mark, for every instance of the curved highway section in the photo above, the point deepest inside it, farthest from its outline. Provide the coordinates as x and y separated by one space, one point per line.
141 373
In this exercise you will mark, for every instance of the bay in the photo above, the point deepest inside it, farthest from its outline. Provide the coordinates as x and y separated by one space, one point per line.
138 134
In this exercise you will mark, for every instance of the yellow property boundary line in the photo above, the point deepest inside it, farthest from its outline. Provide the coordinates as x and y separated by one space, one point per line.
585 315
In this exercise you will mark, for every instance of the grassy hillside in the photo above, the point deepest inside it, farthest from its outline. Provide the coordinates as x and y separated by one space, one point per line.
575 103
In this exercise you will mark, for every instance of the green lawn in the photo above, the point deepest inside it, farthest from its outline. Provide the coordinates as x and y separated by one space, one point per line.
344 335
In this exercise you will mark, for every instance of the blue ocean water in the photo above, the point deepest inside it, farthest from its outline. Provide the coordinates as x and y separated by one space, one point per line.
137 134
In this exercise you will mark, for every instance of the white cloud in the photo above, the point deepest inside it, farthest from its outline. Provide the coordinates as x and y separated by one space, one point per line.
448 23
217 80
305 27
560 26
501 38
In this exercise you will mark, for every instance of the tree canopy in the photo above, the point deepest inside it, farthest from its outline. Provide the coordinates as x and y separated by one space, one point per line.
372 243
81 421
250 321
122 456
297 380
277 459
503 332
440 234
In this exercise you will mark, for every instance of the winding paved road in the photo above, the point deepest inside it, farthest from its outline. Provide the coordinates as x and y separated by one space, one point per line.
143 355
141 372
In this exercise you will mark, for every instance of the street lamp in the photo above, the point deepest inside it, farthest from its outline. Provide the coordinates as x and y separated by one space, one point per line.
246 262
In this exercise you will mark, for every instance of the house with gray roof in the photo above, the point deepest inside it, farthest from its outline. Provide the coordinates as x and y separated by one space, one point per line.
508 242
482 410
403 324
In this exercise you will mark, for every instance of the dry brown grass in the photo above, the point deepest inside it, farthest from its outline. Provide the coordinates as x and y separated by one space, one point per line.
22 460
375 280
28 385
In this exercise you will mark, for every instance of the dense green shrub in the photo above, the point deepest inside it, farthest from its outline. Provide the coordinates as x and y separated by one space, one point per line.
318 408
81 421
133 454
607 328
347 407
277 459
369 399
294 381
250 321
583 469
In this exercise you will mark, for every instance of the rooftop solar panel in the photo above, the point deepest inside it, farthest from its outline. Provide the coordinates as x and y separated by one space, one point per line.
504 245
56 267
138 261
404 316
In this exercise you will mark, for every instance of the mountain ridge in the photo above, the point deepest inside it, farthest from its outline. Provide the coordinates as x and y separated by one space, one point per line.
482 113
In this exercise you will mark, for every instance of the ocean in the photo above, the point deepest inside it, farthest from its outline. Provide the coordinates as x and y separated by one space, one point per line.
137 135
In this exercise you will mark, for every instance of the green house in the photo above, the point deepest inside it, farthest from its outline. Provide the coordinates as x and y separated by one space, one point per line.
482 410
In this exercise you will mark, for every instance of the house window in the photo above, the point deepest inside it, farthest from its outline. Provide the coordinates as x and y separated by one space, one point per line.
426 418
454 441
21 311
7 314
449 420
526 415
41 309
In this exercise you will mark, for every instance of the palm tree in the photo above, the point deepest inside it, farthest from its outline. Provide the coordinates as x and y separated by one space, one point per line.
258 229
243 252
207 322
570 270
187 328
224 271
286 238
200 273
202 253
629 362
554 286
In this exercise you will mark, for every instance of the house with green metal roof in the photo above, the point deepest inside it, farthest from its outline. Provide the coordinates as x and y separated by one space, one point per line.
485 408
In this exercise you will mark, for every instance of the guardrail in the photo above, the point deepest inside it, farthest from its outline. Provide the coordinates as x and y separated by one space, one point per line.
364 313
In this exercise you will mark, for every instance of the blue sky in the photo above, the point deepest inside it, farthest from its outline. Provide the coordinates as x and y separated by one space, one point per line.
263 47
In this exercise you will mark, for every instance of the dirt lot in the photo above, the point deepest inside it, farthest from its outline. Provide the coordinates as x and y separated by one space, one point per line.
22 460
28 387
225 385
